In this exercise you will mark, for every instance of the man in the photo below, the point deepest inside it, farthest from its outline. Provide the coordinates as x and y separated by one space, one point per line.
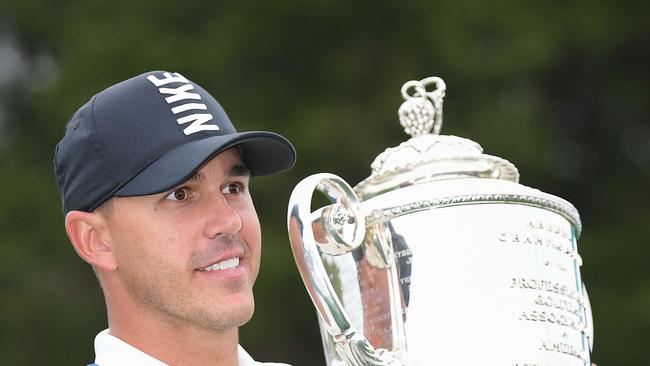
154 184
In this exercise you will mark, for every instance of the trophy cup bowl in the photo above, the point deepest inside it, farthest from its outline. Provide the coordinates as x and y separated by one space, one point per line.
441 257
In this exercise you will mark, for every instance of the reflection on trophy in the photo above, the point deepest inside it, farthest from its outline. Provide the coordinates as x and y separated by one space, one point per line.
441 257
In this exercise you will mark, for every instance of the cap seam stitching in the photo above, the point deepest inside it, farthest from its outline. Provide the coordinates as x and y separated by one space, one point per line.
99 139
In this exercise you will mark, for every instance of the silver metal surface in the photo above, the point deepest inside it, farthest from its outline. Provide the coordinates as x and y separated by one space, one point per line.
350 345
441 257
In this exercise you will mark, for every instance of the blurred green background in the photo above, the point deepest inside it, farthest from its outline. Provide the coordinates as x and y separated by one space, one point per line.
558 88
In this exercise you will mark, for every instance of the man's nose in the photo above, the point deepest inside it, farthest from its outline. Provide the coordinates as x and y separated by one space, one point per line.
221 217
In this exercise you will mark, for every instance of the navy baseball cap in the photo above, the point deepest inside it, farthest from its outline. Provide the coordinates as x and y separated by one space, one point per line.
149 134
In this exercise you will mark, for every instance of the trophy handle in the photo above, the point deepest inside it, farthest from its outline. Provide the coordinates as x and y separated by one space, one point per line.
345 226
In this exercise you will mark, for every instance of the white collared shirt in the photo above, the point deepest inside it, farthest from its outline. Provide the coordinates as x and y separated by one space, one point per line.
112 351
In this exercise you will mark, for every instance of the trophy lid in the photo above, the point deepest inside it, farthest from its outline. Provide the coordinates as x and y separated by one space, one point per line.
427 155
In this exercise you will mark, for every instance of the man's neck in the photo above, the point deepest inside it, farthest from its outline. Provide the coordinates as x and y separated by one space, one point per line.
175 343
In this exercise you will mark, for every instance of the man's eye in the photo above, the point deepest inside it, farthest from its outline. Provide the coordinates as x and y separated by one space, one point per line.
179 194
232 188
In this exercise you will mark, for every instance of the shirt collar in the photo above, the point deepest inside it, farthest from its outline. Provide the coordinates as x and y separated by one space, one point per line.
112 351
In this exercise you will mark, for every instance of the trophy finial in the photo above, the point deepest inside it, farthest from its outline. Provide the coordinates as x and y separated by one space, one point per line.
427 155
421 112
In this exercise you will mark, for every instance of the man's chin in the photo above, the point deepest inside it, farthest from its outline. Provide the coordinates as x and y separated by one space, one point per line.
236 311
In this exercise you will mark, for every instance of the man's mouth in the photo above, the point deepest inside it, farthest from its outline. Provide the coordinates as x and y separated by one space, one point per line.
223 265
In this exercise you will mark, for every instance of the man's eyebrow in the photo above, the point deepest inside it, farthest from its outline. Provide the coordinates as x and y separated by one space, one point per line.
197 177
239 170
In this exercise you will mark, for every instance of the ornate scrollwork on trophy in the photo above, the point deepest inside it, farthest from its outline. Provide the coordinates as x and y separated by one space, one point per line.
358 351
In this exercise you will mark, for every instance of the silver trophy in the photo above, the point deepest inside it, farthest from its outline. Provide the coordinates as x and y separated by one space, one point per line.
441 257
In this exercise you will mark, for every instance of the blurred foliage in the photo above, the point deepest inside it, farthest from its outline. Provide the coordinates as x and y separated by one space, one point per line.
558 88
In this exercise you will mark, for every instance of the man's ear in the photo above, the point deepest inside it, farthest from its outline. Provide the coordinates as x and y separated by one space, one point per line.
89 235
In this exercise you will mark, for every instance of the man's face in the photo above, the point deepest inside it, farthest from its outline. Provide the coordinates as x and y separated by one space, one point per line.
190 256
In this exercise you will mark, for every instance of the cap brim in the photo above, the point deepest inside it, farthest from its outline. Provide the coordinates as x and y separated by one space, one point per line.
265 153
